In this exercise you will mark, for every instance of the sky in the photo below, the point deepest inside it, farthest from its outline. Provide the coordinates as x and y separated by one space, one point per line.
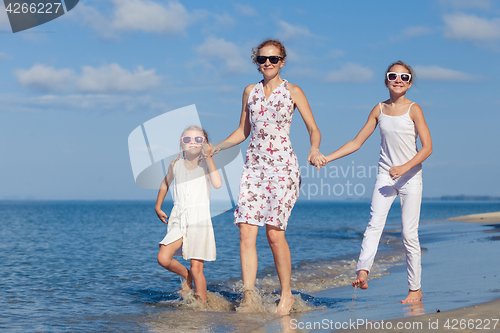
73 89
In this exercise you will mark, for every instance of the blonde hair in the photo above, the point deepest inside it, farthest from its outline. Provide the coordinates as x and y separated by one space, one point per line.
192 127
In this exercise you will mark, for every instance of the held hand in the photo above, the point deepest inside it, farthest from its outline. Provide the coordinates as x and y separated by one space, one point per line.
162 216
316 158
206 151
398 171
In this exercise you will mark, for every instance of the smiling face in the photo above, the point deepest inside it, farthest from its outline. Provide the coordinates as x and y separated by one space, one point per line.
268 69
398 86
192 147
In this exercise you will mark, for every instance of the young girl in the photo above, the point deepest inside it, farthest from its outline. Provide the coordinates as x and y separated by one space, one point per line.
190 223
400 172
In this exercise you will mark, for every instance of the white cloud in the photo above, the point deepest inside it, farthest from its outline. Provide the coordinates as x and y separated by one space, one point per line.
416 31
45 78
4 56
287 31
110 78
83 102
436 73
226 53
113 78
411 32
471 27
245 10
136 15
149 16
336 54
350 73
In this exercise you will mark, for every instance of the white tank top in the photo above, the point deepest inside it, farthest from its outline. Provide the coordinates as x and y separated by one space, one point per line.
398 141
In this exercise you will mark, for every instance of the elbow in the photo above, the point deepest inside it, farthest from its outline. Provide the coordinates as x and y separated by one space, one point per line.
217 185
355 146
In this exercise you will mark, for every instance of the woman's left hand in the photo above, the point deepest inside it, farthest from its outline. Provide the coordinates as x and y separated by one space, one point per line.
398 171
206 151
316 158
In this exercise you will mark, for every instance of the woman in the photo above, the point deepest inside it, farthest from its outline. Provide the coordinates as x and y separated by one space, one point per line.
400 172
270 181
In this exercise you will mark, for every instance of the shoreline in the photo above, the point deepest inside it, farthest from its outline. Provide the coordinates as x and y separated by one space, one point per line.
485 218
484 316
466 305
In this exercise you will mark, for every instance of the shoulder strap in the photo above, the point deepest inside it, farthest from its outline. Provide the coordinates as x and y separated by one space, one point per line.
410 107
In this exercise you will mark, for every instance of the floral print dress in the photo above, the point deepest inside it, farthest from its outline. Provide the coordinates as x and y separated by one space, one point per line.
269 185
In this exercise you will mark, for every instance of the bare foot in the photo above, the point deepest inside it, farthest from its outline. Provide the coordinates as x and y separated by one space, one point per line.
414 296
186 285
362 280
285 305
250 301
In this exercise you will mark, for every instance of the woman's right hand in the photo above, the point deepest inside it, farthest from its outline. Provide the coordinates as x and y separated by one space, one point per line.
162 216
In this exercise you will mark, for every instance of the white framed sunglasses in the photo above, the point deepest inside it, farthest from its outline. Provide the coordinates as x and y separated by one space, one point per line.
188 139
392 76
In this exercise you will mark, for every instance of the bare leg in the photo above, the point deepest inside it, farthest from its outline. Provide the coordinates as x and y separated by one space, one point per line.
167 261
414 296
283 264
362 280
200 283
248 258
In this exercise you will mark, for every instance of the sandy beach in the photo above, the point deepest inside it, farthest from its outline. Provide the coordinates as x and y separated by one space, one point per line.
466 301
487 218
477 318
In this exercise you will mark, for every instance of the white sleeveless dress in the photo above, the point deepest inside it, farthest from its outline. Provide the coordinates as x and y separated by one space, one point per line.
190 217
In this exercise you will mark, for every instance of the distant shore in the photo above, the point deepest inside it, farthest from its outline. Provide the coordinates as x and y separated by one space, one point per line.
490 218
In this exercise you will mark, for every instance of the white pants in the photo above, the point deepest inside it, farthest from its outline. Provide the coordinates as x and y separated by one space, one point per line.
409 188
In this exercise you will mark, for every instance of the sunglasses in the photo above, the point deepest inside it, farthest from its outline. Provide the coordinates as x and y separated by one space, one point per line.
197 139
272 59
405 77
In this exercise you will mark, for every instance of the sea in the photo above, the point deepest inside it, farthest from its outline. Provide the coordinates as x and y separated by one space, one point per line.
90 266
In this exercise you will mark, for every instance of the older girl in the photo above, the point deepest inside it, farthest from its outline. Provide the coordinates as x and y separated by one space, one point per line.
400 172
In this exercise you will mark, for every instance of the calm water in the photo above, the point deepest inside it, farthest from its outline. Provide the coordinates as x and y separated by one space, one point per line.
91 266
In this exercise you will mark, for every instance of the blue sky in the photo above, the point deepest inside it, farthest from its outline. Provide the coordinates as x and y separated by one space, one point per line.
73 89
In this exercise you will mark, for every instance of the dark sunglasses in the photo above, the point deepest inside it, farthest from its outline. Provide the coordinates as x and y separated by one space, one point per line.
392 76
188 139
272 59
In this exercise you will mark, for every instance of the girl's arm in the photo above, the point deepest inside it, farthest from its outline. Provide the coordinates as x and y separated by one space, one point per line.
243 129
300 101
163 192
213 173
417 116
358 141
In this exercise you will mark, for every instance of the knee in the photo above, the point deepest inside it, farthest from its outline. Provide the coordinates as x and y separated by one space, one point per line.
196 271
247 240
274 238
164 260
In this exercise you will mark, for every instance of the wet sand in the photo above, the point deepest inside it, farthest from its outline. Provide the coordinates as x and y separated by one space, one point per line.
461 291
478 318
